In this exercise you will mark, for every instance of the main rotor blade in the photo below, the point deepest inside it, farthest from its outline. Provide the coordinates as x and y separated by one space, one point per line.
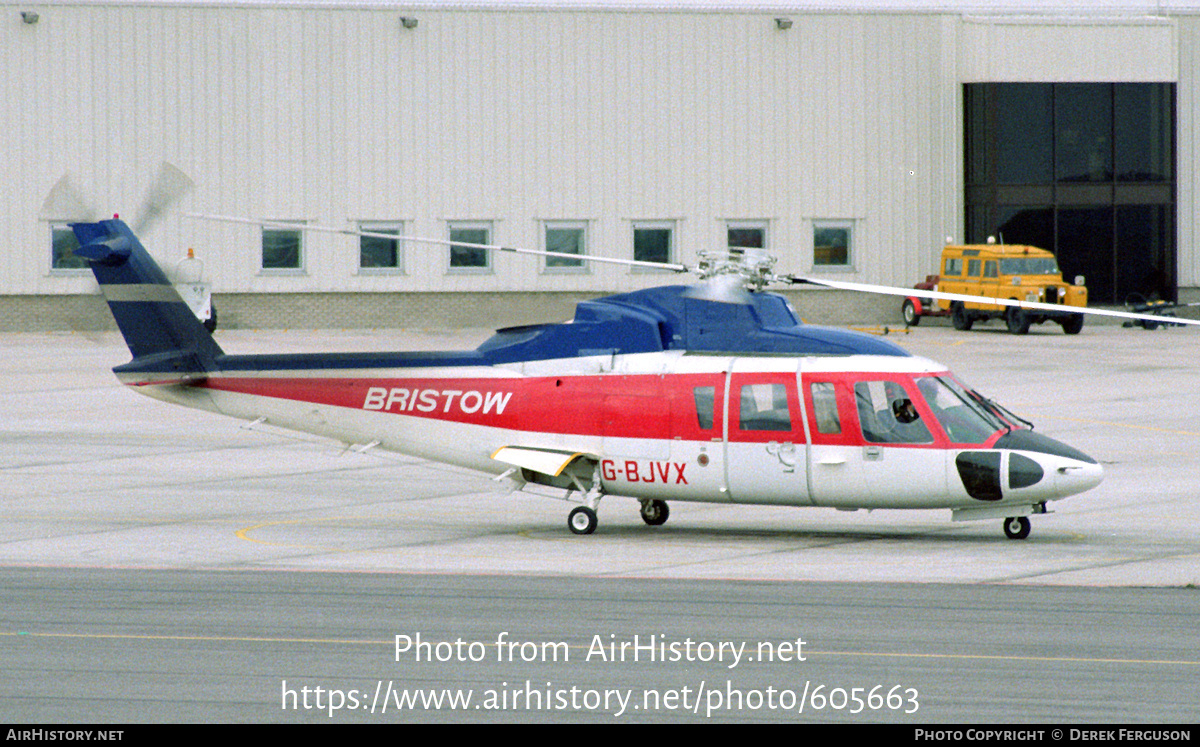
443 242
1035 305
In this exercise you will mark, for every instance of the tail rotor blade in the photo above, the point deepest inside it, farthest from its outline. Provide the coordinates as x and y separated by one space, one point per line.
169 187
67 202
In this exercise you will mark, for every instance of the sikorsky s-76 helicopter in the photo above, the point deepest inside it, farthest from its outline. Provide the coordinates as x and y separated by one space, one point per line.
711 392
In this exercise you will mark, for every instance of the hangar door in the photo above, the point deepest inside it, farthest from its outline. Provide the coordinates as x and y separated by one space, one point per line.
1086 170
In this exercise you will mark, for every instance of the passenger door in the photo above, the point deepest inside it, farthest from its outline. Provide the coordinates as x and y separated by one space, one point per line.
835 449
766 459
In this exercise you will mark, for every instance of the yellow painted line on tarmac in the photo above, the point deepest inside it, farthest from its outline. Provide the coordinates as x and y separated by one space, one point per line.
1131 426
244 533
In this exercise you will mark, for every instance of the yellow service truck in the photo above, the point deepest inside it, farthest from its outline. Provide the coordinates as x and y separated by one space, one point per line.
1023 273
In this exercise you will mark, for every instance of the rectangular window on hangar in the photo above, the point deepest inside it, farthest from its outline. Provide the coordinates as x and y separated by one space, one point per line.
833 244
381 247
741 235
565 237
653 241
468 256
283 247
63 260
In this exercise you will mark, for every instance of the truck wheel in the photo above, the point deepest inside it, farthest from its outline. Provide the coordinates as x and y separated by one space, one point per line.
959 316
1018 321
909 311
1073 324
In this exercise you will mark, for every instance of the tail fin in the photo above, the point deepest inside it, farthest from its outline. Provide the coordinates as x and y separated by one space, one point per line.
163 334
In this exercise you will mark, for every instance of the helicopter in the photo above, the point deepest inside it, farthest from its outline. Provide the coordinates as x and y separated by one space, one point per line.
711 392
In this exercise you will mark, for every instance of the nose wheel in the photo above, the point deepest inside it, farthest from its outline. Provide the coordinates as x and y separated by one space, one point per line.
1016 527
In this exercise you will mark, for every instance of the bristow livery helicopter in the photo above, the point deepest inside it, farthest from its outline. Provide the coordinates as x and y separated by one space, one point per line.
714 392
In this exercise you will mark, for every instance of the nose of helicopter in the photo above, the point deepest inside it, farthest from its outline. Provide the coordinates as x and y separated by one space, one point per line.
1077 476
1072 470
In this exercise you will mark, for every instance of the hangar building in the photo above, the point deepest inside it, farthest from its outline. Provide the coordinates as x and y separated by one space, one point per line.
848 138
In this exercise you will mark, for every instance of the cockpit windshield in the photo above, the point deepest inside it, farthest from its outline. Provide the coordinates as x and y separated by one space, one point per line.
964 419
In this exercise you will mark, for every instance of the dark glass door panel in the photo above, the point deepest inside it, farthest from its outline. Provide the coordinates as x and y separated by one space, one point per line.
1085 247
1144 262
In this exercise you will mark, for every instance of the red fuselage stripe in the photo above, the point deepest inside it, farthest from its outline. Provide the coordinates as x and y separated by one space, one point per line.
613 406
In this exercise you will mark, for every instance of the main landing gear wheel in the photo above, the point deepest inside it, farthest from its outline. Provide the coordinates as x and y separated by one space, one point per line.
655 513
582 520
1016 527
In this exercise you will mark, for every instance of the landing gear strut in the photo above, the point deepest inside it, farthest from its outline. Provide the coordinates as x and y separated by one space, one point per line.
1016 527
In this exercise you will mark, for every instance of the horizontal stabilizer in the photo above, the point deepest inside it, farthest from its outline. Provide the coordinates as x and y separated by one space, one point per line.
546 461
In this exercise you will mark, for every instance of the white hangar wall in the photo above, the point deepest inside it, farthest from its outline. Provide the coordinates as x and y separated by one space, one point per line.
335 115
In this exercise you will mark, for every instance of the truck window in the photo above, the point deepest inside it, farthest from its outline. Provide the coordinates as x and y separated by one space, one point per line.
973 268
989 269
953 266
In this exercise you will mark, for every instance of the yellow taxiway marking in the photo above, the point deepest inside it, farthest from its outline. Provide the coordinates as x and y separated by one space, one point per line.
1172 431
244 533
581 647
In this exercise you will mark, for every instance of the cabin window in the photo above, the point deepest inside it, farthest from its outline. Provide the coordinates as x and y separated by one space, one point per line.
382 251
470 258
887 415
706 397
989 269
825 408
953 267
764 407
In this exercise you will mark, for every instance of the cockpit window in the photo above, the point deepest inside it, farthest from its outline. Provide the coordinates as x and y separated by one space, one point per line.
963 419
887 415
